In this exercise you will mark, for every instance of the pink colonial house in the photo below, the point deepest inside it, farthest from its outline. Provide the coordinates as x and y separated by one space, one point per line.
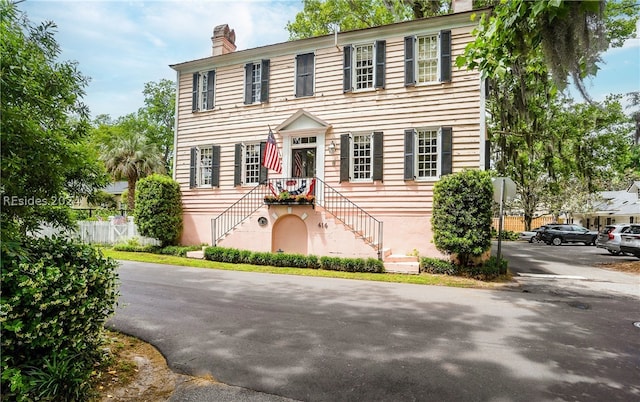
365 123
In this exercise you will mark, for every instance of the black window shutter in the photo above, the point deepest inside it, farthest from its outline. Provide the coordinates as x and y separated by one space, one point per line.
378 151
345 152
408 154
445 56
346 67
304 74
309 65
237 166
446 154
487 154
381 60
193 165
215 166
264 85
211 79
263 175
247 83
409 61
194 93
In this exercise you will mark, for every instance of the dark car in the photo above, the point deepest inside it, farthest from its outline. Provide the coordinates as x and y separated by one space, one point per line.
557 234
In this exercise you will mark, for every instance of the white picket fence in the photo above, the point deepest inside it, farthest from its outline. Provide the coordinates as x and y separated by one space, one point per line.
114 231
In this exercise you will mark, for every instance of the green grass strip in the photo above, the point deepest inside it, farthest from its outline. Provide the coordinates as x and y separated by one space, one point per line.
422 279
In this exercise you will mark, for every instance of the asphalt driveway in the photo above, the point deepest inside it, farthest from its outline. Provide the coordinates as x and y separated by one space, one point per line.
319 339
570 269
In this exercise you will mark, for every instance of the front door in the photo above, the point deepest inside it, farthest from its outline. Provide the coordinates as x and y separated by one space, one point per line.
303 157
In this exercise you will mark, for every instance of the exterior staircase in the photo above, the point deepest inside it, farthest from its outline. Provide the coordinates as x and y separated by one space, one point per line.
401 264
362 224
356 219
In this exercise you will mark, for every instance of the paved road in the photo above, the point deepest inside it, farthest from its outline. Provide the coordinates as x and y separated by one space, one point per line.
320 339
570 269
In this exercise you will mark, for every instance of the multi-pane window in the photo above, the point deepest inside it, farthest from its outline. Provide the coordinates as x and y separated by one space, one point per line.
202 101
205 165
203 90
427 58
256 82
361 157
251 163
426 153
363 66
256 78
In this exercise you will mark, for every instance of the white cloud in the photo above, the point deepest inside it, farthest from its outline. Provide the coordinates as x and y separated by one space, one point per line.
123 44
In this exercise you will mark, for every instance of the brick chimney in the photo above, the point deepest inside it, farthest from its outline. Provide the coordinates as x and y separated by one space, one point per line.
460 6
223 40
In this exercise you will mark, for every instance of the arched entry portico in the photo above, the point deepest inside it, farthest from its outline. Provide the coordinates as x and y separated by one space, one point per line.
290 235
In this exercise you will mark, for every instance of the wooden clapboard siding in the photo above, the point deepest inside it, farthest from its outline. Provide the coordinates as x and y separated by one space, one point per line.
390 110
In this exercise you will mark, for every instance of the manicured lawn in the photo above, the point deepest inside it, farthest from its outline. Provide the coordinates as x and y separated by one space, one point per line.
422 279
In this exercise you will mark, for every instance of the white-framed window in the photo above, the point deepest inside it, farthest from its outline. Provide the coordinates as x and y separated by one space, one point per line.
364 66
363 63
251 163
427 151
256 82
427 59
203 90
256 79
205 166
361 157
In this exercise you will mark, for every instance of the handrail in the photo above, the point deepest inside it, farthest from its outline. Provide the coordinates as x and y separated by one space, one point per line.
353 216
237 213
346 211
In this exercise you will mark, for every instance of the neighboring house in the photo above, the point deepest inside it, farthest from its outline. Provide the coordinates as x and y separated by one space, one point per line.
615 207
367 121
114 189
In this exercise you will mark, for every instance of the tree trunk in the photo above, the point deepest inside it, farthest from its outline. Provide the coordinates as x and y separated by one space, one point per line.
131 194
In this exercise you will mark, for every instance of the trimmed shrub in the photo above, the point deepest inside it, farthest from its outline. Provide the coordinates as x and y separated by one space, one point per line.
438 266
293 260
56 297
158 209
180 251
487 271
462 214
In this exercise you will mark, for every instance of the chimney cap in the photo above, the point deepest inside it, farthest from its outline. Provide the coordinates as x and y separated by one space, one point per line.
223 31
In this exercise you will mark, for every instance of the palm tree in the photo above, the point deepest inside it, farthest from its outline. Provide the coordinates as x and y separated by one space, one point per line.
131 158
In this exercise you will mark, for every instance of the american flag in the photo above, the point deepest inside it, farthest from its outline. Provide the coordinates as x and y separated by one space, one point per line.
271 155
297 166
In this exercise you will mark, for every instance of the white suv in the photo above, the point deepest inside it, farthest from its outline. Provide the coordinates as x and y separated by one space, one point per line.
630 240
609 237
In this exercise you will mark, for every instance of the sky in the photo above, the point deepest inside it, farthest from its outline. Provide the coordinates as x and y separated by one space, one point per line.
121 45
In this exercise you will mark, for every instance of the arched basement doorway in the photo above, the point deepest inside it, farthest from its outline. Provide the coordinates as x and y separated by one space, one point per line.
290 235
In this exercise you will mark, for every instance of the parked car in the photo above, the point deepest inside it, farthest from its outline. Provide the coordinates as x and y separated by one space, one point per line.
630 240
557 234
609 237
529 235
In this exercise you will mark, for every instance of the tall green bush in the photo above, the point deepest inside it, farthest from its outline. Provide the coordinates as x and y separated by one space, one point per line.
56 297
158 209
462 214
